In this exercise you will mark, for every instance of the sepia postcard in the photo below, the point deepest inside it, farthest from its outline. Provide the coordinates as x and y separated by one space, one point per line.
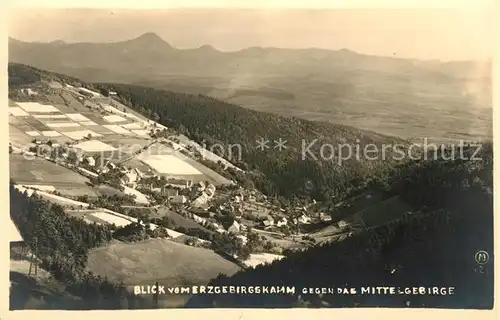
246 157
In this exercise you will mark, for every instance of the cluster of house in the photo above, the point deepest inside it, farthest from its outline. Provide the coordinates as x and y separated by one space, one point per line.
303 218
28 91
206 193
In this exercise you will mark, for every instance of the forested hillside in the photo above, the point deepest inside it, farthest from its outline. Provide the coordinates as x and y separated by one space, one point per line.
435 247
61 244
283 172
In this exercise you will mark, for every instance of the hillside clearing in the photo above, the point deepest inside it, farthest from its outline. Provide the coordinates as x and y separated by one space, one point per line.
159 260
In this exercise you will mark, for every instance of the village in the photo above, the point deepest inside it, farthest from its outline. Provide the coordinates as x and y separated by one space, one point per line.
150 174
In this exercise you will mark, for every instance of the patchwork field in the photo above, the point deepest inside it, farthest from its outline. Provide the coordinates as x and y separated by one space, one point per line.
94 146
72 103
159 260
70 120
18 112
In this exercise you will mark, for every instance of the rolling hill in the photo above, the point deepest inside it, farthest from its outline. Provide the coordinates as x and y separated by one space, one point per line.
384 94
319 159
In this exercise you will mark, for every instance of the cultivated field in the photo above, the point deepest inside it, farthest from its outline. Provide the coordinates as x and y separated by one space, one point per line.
165 160
39 171
168 164
159 260
176 218
110 219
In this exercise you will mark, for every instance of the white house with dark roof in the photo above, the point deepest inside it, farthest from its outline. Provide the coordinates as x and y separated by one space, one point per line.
235 227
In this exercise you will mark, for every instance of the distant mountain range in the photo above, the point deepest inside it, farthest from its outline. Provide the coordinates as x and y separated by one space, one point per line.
150 53
390 95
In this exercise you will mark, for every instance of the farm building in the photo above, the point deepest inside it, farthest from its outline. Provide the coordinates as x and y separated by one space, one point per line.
210 190
304 219
282 222
29 92
180 183
90 161
325 217
268 222
130 177
200 201
170 192
243 239
201 186
110 165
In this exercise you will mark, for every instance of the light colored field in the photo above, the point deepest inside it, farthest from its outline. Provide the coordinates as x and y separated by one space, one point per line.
133 125
114 118
94 146
23 189
139 197
141 133
88 123
169 164
18 112
33 133
54 198
160 260
112 109
50 116
77 117
62 200
39 171
111 219
78 135
131 116
41 187
257 259
116 129
90 91
34 107
63 125
51 134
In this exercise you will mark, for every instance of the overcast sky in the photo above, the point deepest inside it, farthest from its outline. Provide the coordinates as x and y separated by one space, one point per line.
411 33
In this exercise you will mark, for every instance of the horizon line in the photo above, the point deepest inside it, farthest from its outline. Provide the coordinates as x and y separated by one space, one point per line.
151 33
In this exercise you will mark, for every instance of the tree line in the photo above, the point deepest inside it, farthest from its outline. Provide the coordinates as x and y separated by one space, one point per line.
435 247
